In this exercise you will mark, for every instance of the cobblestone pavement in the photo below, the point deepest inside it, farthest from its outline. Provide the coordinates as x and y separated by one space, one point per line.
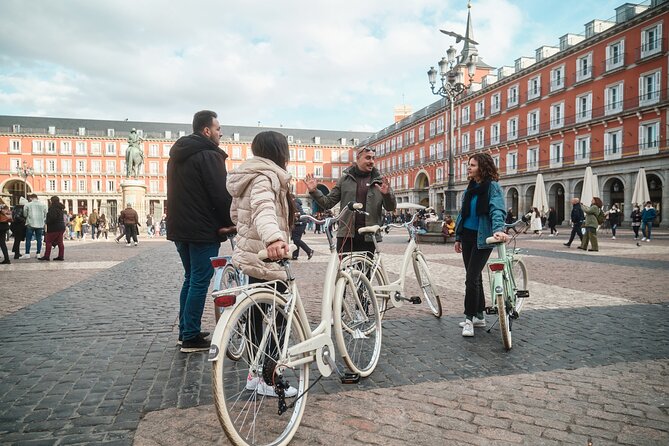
89 354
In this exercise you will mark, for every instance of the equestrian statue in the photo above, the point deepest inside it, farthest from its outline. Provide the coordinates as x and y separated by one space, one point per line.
134 155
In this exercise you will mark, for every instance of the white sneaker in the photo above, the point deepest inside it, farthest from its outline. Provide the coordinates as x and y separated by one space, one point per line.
24 256
468 329
648 240
551 235
251 382
613 238
135 243
478 323
556 233
643 239
128 244
259 386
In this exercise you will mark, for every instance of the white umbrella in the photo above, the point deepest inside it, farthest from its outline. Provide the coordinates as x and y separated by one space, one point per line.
590 187
641 194
540 200
595 186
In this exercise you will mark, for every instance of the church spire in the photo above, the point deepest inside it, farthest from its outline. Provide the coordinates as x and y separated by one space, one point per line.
469 48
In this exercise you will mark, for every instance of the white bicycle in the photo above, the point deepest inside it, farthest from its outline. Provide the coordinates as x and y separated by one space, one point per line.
260 398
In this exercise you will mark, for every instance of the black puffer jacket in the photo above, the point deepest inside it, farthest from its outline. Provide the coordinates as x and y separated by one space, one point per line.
54 218
198 203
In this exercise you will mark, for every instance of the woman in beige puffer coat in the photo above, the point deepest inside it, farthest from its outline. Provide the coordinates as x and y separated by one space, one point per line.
261 207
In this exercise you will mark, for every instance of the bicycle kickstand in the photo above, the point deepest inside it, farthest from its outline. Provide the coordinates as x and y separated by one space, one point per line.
345 377
493 324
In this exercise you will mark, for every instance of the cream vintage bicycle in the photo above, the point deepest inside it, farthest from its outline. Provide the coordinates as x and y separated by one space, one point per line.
260 398
393 293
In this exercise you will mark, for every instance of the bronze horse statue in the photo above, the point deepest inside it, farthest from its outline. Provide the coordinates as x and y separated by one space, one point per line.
134 156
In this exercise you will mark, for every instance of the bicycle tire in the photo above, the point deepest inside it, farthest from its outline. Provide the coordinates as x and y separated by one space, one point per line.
247 416
502 313
521 282
377 278
357 323
424 278
236 346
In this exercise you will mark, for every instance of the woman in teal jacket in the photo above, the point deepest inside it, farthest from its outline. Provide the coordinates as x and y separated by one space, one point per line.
481 216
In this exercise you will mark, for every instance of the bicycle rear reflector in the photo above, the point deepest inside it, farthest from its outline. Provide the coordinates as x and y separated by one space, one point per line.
218 262
496 267
225 301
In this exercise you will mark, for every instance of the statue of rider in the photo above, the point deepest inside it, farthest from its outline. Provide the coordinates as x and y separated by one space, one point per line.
134 146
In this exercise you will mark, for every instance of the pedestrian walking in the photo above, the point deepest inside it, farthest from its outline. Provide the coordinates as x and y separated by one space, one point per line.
535 221
199 205
130 221
55 228
361 183
647 218
552 221
299 229
18 227
481 216
635 216
35 214
121 227
613 215
577 217
593 218
93 220
5 220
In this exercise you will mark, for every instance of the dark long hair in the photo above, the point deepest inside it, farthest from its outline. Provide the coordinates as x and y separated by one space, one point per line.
274 146
487 168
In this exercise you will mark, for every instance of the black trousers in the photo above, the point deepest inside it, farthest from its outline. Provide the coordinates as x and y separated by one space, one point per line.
357 243
131 232
19 236
575 230
297 234
256 323
475 260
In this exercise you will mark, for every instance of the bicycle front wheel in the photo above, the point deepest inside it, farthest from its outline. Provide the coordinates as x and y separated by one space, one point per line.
245 390
502 310
357 323
236 346
374 273
520 280
426 284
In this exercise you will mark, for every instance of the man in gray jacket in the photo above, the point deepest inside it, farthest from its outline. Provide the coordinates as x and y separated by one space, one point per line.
361 183
35 213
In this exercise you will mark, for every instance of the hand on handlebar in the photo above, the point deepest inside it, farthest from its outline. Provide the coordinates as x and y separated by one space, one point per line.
277 250
501 235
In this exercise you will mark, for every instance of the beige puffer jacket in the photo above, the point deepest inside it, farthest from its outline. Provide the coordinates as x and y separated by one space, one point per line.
259 190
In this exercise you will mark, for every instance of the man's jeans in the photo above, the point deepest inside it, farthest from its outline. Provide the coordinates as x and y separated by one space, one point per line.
645 229
195 258
29 237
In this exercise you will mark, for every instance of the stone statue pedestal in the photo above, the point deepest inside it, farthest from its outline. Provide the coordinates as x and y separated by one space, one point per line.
134 192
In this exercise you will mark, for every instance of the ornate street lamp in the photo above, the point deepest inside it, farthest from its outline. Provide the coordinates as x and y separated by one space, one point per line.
451 88
24 172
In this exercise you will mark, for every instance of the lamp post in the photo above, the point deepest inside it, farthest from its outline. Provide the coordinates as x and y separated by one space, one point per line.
24 172
451 89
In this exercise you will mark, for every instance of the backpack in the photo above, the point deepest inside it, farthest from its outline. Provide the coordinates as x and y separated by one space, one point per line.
600 217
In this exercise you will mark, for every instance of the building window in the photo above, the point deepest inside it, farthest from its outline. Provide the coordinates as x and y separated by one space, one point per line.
494 133
153 167
301 171
110 133
166 149
14 164
81 166
15 146
51 185
480 109
512 129
80 148
495 160
154 186
440 175
292 170
615 55
584 67
613 100
433 128
440 125
110 148
651 40
344 156
582 154
67 186
66 166
51 166
534 88
301 154
649 137
584 107
66 147
421 133
533 159
318 171
96 166
511 162
111 166
533 122
557 115
512 96
38 146
236 153
479 138
153 150
81 186
464 118
557 155
111 186
465 142
613 143
96 148
97 185
335 172
495 103
38 165
557 78
318 156
649 88
334 155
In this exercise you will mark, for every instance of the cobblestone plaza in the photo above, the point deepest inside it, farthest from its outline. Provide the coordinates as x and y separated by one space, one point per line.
90 354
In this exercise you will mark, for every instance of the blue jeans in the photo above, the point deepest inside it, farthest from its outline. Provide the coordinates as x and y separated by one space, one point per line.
198 272
645 228
29 237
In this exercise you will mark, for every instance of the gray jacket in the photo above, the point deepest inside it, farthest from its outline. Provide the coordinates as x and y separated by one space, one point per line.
345 191
35 214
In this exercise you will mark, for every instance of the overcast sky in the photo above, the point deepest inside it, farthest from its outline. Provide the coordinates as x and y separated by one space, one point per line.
340 65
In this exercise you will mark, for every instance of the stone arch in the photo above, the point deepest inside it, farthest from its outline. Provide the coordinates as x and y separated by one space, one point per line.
613 191
422 187
512 197
556 199
14 189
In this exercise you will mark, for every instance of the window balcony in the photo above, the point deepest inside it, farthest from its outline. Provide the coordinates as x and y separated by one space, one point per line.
612 153
651 48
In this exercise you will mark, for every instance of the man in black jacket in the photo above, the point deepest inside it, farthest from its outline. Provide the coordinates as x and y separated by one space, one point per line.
198 204
577 219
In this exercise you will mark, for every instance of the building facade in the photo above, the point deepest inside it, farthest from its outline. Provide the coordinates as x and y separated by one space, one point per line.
83 161
598 99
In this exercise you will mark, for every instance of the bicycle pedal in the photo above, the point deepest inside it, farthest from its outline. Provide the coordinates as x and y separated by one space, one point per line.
514 314
490 310
415 300
350 378
523 293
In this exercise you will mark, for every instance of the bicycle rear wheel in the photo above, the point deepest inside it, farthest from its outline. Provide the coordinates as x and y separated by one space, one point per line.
426 284
375 275
236 346
521 282
245 390
357 323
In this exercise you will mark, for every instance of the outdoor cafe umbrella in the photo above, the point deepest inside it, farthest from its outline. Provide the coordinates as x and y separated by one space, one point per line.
590 187
540 200
641 194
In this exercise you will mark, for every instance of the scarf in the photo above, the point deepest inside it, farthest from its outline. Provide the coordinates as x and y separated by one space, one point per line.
482 203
